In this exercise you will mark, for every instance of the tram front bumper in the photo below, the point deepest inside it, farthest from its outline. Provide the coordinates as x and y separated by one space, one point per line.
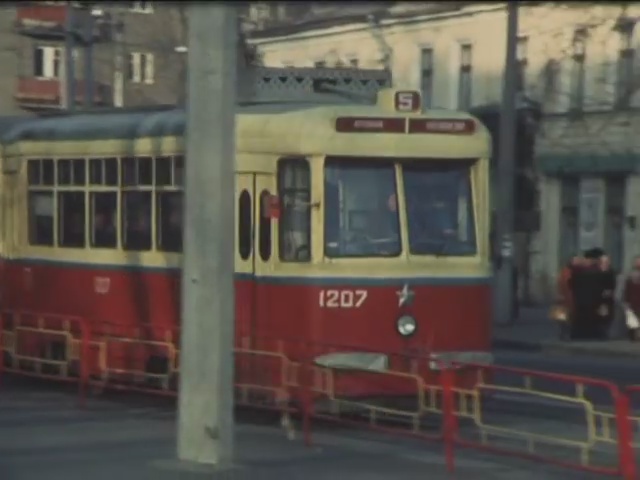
444 360
379 362
372 362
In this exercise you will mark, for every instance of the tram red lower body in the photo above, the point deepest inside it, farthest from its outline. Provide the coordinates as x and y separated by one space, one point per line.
272 314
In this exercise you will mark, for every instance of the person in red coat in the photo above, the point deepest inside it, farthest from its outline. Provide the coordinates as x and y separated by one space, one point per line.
631 299
564 311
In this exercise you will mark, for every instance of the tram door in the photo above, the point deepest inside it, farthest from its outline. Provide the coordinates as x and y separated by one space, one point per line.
254 250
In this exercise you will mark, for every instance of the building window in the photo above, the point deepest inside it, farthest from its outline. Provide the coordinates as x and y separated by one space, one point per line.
465 78
551 81
626 58
578 72
259 13
522 55
615 192
426 76
142 7
141 68
294 192
569 201
47 62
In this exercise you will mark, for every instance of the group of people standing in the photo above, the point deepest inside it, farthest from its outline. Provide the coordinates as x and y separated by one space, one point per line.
587 294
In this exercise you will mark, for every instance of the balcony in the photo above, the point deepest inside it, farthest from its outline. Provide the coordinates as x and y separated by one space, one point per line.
49 22
40 20
46 93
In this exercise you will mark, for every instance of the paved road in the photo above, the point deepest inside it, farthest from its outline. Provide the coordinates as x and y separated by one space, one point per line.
44 436
621 371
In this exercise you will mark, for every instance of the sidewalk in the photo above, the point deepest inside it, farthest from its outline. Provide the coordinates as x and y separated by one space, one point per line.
534 332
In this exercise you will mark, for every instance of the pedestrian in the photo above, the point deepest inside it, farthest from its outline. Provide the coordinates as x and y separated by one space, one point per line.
631 299
606 311
587 290
563 309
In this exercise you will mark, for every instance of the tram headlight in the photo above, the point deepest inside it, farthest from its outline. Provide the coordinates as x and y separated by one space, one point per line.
406 325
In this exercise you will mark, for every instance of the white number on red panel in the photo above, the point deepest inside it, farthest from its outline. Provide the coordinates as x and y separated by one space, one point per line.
342 298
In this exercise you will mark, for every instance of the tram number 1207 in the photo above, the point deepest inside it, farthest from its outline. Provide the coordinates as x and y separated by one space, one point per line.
342 298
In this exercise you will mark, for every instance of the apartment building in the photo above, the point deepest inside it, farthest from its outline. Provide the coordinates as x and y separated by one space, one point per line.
579 60
135 54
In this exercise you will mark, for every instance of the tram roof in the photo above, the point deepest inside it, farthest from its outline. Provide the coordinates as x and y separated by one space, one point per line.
131 124
294 128
166 122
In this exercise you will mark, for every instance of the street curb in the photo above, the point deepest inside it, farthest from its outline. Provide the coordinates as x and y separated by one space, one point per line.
562 348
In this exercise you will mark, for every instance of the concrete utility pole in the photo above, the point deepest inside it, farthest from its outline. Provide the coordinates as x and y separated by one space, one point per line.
69 77
205 420
118 62
506 174
87 35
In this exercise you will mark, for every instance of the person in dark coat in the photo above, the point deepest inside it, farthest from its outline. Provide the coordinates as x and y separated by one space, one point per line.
587 290
607 287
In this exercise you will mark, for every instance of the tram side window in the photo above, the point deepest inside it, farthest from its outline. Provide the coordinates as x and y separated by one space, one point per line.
178 170
265 226
244 224
163 171
41 218
137 171
71 219
136 221
169 221
104 228
40 172
103 171
294 191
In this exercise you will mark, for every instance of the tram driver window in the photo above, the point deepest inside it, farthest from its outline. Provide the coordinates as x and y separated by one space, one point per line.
169 221
360 208
136 221
71 219
104 228
439 202
294 191
41 218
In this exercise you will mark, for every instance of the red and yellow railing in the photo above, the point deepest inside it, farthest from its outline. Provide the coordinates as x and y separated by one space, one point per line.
283 375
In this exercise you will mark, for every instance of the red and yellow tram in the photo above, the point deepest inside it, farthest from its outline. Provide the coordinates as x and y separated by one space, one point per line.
376 257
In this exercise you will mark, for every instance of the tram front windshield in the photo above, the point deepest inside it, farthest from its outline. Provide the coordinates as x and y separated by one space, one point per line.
439 204
361 209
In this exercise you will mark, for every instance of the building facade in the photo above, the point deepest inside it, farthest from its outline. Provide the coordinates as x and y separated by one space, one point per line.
578 60
135 57
138 54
